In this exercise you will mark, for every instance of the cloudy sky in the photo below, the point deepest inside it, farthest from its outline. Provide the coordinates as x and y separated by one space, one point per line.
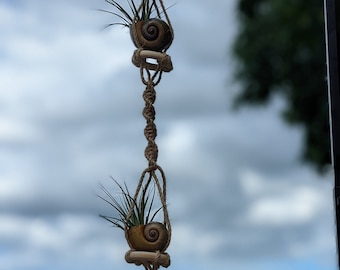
70 103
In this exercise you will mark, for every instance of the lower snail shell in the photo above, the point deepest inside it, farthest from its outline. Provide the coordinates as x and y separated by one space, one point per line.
149 237
153 34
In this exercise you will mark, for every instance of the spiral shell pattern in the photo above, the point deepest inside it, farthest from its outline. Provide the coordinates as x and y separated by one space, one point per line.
150 237
153 34
152 232
151 29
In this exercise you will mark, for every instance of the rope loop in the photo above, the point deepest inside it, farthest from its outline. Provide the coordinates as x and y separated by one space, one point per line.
153 174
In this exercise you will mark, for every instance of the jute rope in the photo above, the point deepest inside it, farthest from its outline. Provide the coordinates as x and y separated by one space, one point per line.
166 17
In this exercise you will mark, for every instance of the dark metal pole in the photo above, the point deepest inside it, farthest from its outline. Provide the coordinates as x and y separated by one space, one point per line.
332 21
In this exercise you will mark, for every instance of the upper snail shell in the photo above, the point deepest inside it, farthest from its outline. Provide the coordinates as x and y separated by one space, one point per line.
153 34
150 237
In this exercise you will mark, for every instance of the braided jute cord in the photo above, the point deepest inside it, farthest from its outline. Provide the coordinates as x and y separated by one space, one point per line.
151 154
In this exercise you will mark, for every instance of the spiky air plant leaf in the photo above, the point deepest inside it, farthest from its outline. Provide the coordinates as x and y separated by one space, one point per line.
141 12
142 212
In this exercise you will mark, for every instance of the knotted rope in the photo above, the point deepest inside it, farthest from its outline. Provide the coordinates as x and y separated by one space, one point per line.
150 131
150 80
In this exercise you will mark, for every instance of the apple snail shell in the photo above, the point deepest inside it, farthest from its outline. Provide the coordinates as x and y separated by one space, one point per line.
153 34
149 237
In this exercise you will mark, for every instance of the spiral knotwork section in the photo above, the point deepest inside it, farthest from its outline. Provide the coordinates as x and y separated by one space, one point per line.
150 131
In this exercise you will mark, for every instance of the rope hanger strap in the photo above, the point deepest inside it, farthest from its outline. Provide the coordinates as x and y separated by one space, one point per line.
159 13
150 175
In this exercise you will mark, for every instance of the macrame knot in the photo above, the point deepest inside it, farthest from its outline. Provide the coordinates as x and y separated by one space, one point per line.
150 132
151 154
149 112
149 94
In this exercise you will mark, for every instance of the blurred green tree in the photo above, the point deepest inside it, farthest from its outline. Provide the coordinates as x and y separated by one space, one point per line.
280 48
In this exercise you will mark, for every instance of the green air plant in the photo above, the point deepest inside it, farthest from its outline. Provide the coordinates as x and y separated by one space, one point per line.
142 212
134 14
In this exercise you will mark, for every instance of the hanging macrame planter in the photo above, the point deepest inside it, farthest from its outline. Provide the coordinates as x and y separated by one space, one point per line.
152 34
